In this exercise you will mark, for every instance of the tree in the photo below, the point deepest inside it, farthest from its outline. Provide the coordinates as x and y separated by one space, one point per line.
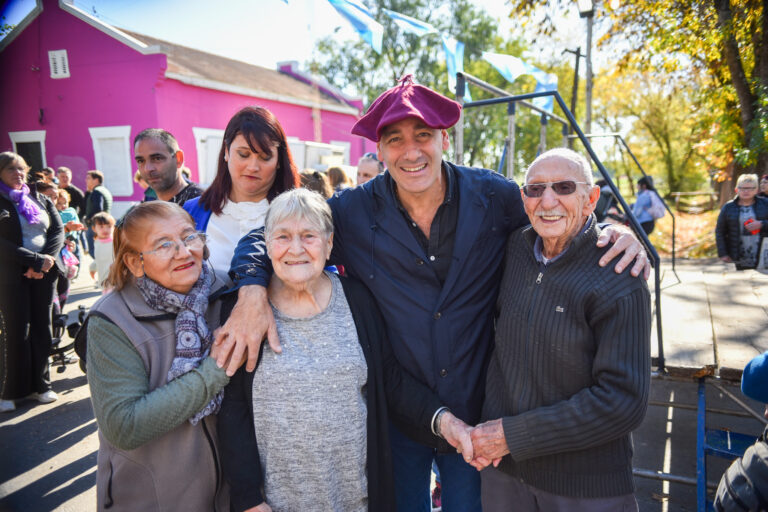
722 44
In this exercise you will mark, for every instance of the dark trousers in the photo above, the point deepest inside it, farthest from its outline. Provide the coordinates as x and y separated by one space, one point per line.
648 226
412 463
25 341
89 236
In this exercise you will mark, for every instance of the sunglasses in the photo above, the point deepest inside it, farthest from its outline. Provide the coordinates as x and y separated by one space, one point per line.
561 188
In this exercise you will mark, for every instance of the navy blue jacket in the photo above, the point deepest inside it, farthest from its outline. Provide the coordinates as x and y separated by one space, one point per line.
728 228
441 334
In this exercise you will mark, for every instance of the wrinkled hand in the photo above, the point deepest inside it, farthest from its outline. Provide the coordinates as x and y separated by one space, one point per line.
755 225
489 444
216 351
48 262
244 331
726 259
456 432
31 274
624 241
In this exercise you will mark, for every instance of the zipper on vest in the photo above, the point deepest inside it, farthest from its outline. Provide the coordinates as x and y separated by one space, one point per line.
215 461
531 308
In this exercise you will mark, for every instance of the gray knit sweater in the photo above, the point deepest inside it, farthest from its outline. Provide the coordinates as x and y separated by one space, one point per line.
571 368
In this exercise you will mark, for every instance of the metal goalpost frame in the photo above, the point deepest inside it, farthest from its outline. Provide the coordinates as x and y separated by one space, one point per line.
571 120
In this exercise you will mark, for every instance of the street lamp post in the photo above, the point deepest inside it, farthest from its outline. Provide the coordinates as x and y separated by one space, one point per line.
587 10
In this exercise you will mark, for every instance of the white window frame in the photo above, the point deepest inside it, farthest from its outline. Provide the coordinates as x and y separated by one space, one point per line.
120 183
347 147
201 134
29 136
60 58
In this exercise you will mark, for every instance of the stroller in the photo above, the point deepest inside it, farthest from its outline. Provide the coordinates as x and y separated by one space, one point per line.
62 353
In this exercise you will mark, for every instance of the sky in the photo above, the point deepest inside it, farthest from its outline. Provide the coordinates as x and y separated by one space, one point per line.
262 32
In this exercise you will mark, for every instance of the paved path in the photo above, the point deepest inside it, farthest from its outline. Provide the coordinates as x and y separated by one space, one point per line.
714 317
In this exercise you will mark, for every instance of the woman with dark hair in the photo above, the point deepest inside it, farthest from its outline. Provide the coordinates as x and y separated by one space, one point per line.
338 179
31 236
643 205
255 166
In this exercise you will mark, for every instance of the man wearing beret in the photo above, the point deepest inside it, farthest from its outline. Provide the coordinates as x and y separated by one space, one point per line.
427 237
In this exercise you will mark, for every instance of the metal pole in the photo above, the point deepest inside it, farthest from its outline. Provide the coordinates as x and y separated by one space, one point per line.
588 120
460 89
543 134
511 139
575 91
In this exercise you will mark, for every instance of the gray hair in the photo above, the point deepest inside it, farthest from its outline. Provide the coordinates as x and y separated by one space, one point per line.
163 136
299 203
747 178
575 162
65 170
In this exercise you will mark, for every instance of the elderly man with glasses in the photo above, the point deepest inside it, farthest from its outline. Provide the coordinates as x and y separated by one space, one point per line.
569 376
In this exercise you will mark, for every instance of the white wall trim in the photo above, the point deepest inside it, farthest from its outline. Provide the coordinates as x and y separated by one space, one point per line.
120 181
30 136
139 46
204 175
23 24
246 91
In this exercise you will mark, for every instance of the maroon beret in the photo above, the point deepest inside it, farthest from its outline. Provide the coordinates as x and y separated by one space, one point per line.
404 100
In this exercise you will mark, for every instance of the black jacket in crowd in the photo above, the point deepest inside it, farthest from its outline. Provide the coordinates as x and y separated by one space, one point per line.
408 399
728 229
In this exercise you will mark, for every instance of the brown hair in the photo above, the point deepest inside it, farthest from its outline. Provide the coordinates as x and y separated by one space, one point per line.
128 230
63 193
337 177
314 180
97 175
259 127
43 186
8 157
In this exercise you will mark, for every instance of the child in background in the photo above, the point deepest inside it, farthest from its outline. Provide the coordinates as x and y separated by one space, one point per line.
103 225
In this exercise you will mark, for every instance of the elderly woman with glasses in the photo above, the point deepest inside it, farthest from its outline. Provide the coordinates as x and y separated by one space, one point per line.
319 408
154 382
742 224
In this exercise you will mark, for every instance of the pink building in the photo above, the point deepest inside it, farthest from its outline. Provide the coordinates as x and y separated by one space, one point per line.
77 90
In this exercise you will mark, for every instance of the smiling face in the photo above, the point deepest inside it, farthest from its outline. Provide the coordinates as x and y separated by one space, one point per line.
558 218
179 272
158 166
413 154
14 174
747 190
298 250
64 179
252 172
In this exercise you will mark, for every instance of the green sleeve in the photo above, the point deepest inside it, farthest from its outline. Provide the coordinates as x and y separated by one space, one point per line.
127 412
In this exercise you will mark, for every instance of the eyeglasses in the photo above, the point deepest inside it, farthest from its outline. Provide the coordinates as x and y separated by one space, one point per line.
561 188
170 248
372 156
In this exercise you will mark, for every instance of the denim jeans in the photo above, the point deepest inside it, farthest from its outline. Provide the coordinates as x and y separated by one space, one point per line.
412 463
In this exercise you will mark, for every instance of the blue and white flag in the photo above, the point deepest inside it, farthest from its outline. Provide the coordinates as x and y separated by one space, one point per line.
454 61
411 25
362 20
512 67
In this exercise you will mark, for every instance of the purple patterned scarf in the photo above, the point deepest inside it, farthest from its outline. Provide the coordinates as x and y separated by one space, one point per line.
27 207
193 338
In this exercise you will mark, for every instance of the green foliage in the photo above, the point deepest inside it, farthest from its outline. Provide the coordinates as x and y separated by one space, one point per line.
5 28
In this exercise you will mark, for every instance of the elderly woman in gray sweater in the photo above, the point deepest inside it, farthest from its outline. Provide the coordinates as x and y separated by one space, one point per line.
308 429
155 389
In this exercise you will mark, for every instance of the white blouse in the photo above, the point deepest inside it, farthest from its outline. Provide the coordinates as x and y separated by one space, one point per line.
225 231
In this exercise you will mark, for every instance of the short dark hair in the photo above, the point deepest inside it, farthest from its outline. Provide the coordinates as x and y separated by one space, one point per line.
48 170
103 218
259 127
96 175
163 136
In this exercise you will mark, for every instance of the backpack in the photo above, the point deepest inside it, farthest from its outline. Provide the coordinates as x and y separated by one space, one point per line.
656 209
744 485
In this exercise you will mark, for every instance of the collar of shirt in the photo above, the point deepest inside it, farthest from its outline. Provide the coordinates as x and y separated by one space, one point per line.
537 246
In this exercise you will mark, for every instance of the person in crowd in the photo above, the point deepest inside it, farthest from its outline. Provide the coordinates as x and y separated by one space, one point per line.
154 382
98 199
255 165
763 187
49 190
76 196
570 373
317 181
160 163
338 179
606 205
427 239
72 227
744 485
642 206
368 168
31 236
335 456
186 172
149 194
742 224
49 176
103 256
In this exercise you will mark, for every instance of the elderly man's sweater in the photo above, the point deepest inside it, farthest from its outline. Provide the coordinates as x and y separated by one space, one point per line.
571 368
